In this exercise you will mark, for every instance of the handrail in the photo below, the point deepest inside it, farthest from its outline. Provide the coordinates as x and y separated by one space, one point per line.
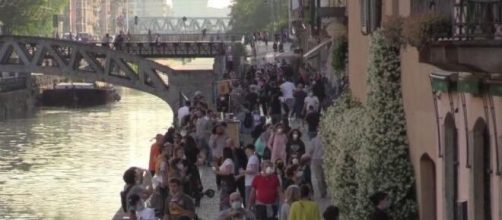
184 37
475 20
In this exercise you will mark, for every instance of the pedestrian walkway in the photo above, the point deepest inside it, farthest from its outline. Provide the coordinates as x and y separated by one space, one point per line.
266 54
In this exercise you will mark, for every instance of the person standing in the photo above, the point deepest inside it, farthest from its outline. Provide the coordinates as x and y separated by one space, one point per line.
155 152
265 193
107 40
178 204
305 208
331 213
183 112
381 202
236 211
313 118
277 144
287 89
292 195
295 147
203 128
226 173
311 101
251 170
299 96
316 152
217 142
150 38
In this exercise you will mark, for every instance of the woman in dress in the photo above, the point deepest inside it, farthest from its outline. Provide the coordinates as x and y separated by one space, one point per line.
226 172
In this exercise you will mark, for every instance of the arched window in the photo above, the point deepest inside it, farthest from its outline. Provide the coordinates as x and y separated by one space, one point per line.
428 188
450 166
481 171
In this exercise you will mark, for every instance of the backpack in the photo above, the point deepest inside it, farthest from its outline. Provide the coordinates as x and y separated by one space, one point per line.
248 120
123 198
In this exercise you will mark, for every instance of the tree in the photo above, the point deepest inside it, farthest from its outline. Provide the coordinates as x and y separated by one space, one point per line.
256 15
30 17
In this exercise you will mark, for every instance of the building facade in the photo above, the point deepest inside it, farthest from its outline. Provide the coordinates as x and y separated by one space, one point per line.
149 8
452 100
83 16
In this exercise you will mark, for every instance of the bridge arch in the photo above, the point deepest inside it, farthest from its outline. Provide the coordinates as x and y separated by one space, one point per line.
94 63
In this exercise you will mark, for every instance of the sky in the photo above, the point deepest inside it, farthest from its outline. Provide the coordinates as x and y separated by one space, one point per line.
212 3
218 3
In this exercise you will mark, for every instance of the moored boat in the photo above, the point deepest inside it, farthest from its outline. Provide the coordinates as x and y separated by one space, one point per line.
79 95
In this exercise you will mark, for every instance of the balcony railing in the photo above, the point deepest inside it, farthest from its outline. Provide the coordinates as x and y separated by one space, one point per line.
478 20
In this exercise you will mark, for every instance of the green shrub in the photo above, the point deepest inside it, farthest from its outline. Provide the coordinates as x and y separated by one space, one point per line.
366 146
392 28
386 159
343 130
420 30
339 57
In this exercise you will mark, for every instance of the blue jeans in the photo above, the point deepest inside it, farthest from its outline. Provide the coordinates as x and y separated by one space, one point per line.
204 145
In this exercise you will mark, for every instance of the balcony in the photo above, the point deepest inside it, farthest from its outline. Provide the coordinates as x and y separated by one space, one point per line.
475 44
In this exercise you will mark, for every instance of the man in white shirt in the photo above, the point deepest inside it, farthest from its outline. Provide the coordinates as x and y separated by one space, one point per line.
252 169
287 89
311 100
142 213
183 112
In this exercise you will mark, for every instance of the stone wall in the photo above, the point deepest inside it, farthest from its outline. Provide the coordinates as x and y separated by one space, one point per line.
23 103
16 104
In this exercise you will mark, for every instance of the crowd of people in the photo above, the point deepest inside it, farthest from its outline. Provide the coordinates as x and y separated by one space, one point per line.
265 173
278 40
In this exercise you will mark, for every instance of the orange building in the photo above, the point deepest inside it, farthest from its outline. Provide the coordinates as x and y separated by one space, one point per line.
452 93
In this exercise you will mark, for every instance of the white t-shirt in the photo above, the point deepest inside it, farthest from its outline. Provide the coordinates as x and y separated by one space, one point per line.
230 163
146 214
253 160
182 112
312 101
287 89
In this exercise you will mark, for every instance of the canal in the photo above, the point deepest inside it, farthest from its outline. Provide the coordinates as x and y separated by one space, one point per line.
68 163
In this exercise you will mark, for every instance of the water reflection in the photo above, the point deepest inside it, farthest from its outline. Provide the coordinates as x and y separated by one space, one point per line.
68 164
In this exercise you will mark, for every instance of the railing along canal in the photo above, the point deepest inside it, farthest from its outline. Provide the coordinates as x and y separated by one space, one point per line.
12 84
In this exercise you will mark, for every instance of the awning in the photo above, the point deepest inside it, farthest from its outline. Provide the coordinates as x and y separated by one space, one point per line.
315 51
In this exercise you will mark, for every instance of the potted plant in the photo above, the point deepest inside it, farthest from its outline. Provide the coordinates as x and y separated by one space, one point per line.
420 30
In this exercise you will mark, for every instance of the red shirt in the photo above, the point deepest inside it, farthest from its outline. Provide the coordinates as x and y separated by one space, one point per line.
154 153
266 188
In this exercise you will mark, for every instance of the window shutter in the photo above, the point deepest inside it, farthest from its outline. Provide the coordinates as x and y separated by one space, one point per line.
364 4
375 14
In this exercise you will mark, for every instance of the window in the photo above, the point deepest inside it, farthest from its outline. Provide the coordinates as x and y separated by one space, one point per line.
422 6
371 15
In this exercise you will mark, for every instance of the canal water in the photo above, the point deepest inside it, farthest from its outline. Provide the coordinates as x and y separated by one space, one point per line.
68 163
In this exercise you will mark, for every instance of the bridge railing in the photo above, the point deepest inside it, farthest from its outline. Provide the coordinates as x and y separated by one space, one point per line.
185 37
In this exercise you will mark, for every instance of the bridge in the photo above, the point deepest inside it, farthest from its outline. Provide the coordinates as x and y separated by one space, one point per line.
185 25
96 63
211 37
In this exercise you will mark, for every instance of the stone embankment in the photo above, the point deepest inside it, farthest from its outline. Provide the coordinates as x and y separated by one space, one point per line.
18 96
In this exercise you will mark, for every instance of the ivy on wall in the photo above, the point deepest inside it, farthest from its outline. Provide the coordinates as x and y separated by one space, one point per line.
367 149
387 164
339 56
